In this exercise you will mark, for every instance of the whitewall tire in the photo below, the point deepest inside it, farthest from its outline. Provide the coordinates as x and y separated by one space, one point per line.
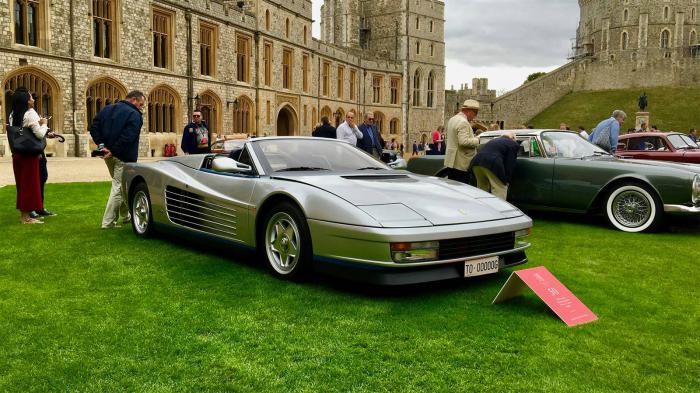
631 207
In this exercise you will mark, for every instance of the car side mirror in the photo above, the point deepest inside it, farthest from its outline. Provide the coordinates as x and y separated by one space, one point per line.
229 165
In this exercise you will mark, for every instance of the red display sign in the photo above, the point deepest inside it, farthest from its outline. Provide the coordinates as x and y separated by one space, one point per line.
559 298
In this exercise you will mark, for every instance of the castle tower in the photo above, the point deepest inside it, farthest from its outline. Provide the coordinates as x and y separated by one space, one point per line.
638 30
408 32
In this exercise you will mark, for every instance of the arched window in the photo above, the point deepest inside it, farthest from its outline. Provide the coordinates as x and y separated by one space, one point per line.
314 117
692 14
394 126
286 27
431 89
305 34
243 116
667 12
379 122
100 93
624 40
418 47
626 15
340 116
327 112
42 86
665 39
163 110
210 106
416 88
267 20
693 38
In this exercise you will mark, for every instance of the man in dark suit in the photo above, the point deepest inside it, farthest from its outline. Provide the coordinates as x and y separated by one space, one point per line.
494 164
371 141
325 130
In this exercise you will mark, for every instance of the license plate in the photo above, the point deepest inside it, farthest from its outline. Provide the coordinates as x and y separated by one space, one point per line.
480 267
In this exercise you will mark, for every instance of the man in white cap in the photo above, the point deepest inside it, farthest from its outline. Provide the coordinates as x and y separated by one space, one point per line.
461 143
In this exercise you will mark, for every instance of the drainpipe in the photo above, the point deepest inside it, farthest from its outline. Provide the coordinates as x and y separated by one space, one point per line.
256 41
190 73
407 80
74 100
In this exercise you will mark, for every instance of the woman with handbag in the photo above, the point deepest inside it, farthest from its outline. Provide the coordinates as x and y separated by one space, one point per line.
26 166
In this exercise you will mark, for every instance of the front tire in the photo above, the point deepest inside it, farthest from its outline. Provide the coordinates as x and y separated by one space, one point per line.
286 243
141 211
632 207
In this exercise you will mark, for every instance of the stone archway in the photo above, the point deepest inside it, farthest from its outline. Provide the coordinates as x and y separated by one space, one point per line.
287 122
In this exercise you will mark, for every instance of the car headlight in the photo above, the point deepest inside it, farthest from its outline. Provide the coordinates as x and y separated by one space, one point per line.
521 237
414 252
696 189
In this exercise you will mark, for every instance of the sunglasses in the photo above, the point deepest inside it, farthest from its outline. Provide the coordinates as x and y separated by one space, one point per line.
196 115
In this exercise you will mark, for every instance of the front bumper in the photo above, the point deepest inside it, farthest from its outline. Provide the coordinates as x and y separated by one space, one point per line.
681 209
363 253
382 275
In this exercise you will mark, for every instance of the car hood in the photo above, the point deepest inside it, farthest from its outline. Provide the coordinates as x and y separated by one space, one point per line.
397 198
692 168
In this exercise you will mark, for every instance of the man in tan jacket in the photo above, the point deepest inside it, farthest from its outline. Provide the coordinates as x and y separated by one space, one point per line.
461 142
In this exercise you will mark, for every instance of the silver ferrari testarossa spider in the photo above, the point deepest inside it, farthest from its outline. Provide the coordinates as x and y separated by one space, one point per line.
305 203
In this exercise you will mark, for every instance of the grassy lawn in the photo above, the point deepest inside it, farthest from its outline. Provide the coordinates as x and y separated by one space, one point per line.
101 311
671 108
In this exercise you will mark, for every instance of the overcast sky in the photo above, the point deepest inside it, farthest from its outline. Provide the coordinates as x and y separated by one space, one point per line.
503 40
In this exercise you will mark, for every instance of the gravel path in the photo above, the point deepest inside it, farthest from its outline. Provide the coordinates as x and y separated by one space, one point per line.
65 170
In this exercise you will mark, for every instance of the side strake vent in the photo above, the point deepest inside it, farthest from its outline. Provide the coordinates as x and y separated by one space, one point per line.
191 210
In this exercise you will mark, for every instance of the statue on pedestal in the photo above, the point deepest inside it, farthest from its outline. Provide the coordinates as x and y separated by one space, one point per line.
643 102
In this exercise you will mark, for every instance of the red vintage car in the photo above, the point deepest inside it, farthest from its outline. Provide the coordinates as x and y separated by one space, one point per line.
672 146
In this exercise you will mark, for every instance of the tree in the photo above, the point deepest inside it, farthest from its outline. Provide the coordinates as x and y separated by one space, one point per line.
534 76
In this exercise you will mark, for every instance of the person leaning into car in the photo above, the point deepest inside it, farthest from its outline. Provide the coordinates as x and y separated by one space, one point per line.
116 130
607 132
461 143
494 164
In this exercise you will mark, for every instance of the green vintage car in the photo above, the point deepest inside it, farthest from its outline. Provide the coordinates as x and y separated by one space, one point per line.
560 171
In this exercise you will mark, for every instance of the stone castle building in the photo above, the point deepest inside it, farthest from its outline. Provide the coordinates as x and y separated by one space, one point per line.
252 66
619 44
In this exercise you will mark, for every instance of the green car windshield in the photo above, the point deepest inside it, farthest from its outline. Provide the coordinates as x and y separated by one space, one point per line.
568 145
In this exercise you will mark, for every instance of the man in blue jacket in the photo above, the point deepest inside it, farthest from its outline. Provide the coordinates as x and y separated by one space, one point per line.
371 141
116 130
494 165
195 136
607 132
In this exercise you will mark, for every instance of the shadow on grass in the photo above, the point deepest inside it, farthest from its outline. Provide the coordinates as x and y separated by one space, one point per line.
250 261
672 223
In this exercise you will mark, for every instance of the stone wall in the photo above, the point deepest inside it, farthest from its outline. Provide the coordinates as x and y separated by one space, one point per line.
73 68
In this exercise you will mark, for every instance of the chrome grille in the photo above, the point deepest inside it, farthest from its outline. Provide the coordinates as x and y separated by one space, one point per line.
477 245
193 211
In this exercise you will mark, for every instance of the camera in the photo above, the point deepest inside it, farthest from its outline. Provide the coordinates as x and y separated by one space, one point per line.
98 152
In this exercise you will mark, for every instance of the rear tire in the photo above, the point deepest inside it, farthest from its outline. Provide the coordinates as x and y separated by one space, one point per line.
286 242
633 207
141 211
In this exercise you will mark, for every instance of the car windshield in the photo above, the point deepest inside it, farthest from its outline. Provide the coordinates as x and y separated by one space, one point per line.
569 145
298 154
682 142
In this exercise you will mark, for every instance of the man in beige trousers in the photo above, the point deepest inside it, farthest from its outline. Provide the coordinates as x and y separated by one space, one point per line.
461 143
